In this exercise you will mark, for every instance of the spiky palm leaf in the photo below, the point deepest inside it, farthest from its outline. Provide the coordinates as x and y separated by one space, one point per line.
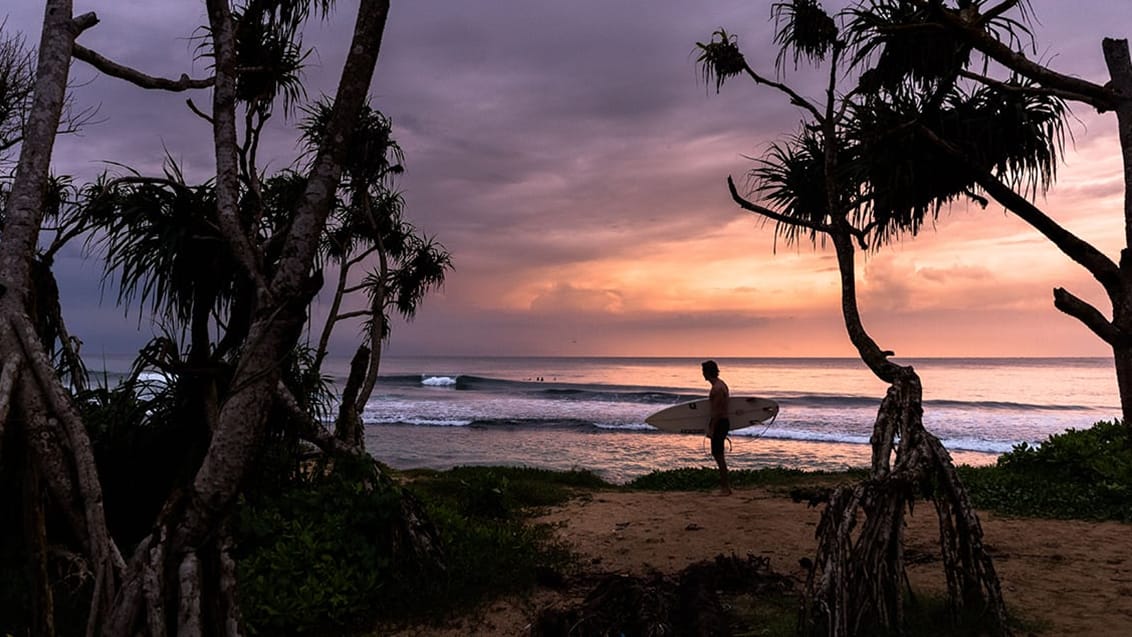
291 13
720 59
422 267
162 244
791 178
270 61
902 42
803 28
372 157
1015 134
279 195
269 50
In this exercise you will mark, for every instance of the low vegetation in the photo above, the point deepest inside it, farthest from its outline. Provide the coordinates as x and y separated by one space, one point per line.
314 550
1081 474
703 479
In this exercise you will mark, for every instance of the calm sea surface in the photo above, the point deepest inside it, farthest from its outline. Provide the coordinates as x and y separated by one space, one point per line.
563 413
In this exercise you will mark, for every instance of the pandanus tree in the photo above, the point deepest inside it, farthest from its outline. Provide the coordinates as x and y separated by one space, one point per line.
999 32
846 177
367 223
178 575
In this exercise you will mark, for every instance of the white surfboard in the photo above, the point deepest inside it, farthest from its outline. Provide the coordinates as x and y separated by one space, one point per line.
692 417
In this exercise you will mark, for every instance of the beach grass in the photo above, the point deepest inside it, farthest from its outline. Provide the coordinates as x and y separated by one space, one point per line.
705 479
500 492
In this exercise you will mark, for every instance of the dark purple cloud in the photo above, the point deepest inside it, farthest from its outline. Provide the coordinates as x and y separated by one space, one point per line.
538 136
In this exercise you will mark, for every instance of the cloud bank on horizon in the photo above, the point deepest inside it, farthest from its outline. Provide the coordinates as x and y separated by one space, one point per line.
573 162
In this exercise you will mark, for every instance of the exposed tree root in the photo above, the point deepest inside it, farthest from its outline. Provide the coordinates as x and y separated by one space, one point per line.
857 582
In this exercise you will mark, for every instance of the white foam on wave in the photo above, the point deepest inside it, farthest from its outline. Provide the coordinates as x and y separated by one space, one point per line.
433 422
628 425
799 434
438 381
971 444
959 443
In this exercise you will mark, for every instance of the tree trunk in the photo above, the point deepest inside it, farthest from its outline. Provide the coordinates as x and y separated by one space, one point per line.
60 448
857 581
1119 62
189 523
376 327
1122 358
348 426
35 538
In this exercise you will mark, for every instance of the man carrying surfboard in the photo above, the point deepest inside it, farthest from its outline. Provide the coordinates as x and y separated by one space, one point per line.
719 424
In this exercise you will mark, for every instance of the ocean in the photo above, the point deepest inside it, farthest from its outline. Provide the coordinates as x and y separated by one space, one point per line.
588 413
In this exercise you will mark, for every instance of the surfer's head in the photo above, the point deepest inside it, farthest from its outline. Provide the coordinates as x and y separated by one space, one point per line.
711 370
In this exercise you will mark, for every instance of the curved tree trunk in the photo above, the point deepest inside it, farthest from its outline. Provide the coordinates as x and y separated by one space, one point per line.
377 322
858 579
348 426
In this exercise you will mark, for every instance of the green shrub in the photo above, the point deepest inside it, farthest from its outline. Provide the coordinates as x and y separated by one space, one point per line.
1084 474
1101 453
316 554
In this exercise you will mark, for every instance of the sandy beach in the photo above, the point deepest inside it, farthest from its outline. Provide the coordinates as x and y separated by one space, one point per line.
1073 577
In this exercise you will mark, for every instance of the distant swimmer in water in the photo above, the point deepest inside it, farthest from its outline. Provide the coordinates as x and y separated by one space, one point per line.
718 424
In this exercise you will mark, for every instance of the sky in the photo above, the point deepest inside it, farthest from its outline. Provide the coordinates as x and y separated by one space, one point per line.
573 162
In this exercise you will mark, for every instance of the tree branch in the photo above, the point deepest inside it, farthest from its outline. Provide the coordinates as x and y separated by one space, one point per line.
82 454
1097 96
135 77
362 256
227 186
350 315
1089 315
331 319
354 288
1014 88
750 206
326 170
313 431
1100 266
199 113
795 98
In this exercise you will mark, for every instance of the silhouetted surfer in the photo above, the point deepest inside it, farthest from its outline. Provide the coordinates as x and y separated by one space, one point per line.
718 424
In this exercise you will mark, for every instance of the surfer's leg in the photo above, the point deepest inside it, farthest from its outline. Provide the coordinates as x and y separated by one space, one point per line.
724 482
718 442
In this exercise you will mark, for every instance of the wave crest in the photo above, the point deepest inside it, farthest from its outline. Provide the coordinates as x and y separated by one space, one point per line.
439 381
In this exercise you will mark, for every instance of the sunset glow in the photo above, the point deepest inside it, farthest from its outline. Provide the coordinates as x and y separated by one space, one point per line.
575 168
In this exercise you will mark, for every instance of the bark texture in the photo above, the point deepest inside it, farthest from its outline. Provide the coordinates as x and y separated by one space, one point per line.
858 578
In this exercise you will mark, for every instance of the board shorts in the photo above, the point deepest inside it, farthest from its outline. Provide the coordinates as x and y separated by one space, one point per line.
722 427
